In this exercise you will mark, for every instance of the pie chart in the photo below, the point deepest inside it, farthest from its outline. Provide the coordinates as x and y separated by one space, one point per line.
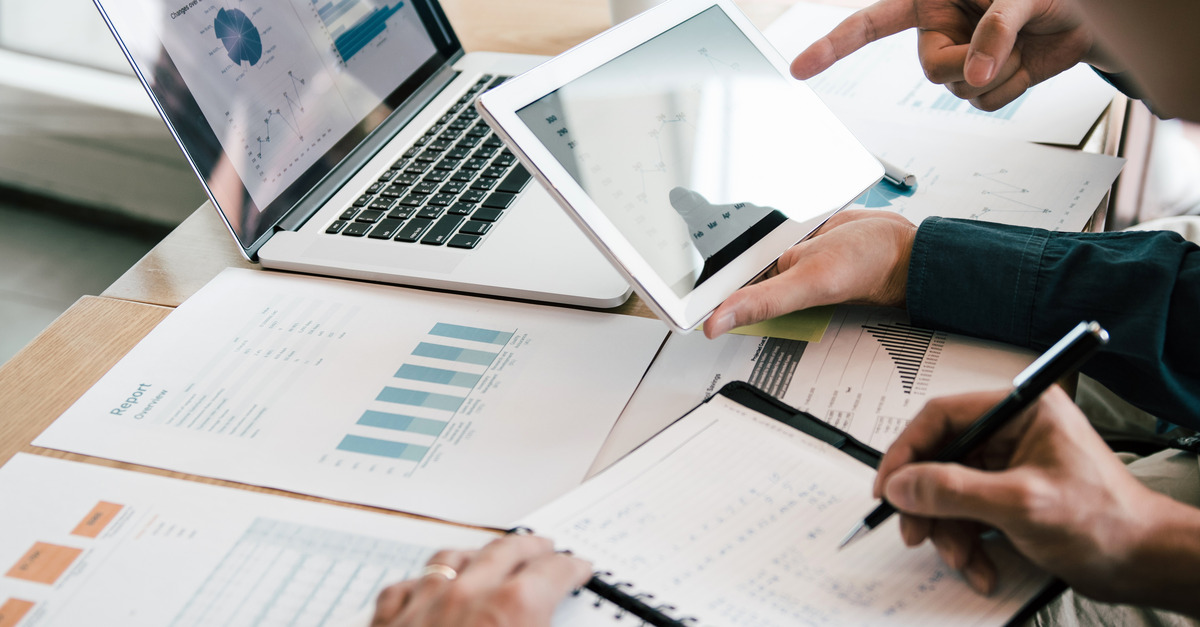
239 35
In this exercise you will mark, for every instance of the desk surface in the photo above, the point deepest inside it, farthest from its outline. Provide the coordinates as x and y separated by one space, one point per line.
43 380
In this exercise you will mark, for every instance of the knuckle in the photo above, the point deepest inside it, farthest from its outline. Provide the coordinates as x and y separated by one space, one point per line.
517 597
444 556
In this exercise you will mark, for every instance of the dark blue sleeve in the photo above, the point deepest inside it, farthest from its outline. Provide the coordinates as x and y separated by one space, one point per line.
1030 286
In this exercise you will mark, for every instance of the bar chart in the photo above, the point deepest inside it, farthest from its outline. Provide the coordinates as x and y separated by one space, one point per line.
353 24
422 397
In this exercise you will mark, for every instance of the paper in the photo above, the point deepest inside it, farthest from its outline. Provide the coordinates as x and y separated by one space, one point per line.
735 519
869 375
431 403
87 545
884 82
1008 181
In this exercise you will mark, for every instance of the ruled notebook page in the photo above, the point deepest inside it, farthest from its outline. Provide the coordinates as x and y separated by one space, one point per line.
735 519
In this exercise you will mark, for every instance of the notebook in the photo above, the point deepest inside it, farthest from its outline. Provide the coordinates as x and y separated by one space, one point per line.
733 515
338 137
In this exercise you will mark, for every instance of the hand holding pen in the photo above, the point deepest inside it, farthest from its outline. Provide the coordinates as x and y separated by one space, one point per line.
1061 359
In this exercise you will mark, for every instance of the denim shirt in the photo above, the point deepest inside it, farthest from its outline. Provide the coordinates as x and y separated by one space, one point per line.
1028 287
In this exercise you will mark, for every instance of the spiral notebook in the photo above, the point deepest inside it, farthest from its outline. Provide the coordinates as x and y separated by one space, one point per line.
732 516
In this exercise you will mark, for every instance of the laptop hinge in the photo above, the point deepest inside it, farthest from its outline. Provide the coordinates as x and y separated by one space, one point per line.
312 202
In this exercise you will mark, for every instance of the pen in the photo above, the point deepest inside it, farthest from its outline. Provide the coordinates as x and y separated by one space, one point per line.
1064 357
896 176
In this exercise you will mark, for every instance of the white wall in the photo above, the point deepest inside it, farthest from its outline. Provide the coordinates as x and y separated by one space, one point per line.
75 132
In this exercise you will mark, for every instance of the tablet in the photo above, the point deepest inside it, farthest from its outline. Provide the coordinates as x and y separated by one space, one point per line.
681 144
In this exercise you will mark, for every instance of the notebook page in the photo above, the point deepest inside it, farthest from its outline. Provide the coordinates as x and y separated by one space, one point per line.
735 518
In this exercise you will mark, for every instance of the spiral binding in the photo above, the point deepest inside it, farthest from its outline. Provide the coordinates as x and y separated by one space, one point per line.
638 605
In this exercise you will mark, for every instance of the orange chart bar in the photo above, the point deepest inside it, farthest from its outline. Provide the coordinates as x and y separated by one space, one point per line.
44 563
97 519
13 611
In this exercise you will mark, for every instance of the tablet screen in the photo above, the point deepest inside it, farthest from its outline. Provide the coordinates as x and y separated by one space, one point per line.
683 142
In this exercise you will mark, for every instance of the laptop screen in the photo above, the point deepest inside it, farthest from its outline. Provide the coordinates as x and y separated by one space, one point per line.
266 97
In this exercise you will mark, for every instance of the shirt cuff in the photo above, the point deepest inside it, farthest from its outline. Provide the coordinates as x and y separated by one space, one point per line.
975 278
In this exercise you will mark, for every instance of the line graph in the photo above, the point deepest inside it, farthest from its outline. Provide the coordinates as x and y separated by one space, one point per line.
1001 189
291 120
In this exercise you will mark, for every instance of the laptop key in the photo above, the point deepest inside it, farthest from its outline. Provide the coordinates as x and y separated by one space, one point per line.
374 188
382 203
442 231
394 190
437 176
464 241
407 179
413 200
463 175
473 195
363 200
494 172
475 163
370 215
468 141
458 153
385 229
448 164
461 209
515 181
357 229
499 200
487 215
441 200
400 213
336 227
475 227
431 213
484 184
413 231
391 174
453 187
486 152
425 188
348 214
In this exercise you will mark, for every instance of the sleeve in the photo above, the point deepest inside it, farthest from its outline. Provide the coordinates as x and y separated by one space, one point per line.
1029 287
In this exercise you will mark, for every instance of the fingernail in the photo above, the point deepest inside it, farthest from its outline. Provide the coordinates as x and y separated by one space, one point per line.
979 66
724 324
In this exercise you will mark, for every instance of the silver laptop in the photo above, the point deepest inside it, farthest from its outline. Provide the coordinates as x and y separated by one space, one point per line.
339 137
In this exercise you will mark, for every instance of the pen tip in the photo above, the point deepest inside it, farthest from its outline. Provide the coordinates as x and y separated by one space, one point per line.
857 532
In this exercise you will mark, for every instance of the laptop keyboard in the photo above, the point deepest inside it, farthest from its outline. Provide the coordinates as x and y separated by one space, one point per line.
450 188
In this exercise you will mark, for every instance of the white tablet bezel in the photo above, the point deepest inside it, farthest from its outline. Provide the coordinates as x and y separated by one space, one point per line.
857 171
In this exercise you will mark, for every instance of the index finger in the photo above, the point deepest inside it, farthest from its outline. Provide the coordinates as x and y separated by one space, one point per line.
939 421
872 23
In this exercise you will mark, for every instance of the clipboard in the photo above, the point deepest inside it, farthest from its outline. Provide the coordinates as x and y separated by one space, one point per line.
639 606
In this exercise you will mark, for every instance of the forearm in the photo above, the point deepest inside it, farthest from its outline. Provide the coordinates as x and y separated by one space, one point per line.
1163 568
1029 286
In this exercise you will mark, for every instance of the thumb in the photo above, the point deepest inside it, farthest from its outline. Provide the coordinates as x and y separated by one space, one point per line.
994 39
936 490
756 302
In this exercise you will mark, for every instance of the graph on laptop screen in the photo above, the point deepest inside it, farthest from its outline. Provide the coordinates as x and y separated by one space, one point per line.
280 83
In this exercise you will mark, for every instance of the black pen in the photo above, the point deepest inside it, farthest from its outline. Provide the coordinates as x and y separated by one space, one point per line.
1067 355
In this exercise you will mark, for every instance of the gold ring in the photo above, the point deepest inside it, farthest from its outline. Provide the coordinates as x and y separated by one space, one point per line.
439 569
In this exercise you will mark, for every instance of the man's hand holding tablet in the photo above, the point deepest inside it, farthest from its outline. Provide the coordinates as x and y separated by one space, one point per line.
680 143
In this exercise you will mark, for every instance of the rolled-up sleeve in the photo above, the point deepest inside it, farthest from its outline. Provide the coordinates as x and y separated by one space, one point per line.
1029 287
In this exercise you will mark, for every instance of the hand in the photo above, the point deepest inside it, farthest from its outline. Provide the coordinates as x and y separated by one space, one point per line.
858 256
514 581
1046 480
985 51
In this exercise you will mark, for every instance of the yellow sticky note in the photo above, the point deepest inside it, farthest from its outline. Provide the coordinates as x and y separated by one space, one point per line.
807 325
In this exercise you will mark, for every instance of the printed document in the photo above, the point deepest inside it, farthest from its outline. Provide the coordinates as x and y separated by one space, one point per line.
456 407
869 375
89 545
884 82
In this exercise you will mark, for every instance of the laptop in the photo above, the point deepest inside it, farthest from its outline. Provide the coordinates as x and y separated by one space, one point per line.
339 137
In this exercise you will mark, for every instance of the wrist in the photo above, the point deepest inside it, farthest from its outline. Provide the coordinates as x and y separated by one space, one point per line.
1161 566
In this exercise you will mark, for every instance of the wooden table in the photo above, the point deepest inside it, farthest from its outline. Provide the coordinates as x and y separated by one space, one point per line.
52 372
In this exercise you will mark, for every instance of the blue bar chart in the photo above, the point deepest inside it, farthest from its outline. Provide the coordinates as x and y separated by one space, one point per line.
424 394
354 24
